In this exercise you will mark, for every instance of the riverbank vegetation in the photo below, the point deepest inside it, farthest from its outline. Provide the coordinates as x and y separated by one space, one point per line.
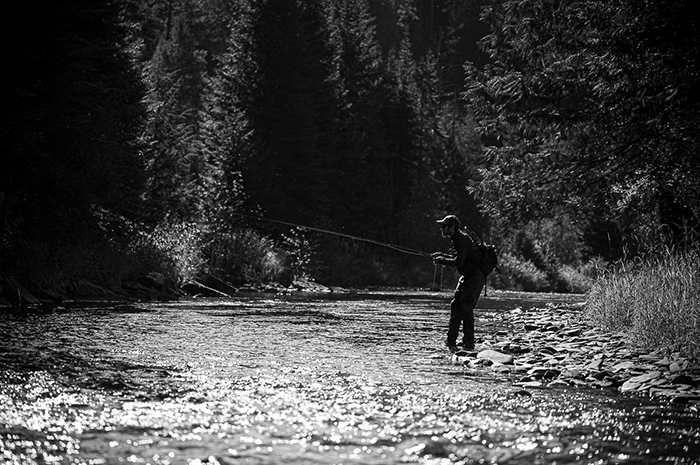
656 299
193 138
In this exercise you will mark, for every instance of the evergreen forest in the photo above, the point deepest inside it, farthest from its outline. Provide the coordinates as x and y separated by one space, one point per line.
193 138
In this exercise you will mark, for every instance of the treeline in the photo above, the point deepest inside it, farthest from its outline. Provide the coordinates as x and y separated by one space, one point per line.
593 109
143 136
133 126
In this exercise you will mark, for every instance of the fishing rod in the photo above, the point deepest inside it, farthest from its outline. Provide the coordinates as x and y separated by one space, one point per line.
398 248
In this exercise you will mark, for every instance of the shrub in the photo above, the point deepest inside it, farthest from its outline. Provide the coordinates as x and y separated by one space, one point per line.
519 275
173 248
657 300
246 256
575 279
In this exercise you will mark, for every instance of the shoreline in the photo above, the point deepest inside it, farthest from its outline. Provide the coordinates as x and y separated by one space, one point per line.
552 347
548 345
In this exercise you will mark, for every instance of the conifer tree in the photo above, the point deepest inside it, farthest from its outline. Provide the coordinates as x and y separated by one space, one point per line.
177 71
360 146
287 96
226 128
71 118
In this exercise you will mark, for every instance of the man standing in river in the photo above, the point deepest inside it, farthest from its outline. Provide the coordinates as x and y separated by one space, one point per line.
465 258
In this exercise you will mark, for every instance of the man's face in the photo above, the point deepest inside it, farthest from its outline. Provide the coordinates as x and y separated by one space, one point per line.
446 230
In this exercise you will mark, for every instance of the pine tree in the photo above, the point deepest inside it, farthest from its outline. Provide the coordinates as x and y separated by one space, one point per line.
71 118
226 129
177 71
360 145
288 98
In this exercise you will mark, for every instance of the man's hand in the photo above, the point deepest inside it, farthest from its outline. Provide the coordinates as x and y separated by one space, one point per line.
439 258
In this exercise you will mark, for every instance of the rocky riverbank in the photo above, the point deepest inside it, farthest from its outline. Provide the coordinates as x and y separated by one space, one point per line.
555 347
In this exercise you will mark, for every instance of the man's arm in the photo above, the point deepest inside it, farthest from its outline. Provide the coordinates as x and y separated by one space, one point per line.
462 247
440 258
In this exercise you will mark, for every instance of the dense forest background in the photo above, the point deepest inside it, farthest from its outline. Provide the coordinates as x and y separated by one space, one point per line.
151 136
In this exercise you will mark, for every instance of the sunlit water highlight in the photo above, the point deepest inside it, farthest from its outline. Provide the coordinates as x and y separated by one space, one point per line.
299 381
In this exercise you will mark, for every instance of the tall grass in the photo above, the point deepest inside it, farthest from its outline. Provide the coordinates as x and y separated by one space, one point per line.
656 300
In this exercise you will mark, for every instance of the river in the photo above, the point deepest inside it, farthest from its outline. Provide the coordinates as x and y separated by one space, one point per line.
335 379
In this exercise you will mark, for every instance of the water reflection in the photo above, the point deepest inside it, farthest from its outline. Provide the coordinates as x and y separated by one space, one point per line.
350 380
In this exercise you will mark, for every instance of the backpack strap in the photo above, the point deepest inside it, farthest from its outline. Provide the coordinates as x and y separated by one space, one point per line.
473 235
478 242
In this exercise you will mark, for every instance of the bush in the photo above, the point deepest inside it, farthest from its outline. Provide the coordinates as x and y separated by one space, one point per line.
245 256
580 279
657 300
519 275
173 248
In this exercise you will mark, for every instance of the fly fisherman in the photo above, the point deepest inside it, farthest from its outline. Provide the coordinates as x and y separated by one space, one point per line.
471 281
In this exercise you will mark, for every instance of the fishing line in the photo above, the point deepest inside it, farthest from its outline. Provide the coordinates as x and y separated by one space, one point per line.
398 248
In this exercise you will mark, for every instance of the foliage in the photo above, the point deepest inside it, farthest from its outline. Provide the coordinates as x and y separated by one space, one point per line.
146 128
576 280
71 117
520 275
356 264
181 43
177 249
657 299
245 256
591 108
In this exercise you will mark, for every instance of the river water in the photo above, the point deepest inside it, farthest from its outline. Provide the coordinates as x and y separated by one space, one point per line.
351 379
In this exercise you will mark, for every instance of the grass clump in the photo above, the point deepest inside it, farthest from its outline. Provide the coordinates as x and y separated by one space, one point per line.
656 300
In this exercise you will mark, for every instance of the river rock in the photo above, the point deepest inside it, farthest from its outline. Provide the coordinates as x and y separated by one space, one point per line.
685 399
626 365
662 391
595 364
646 377
630 386
682 379
577 354
543 373
529 384
307 285
495 356
572 332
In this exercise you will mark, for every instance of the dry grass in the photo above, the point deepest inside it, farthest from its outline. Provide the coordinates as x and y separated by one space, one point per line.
656 300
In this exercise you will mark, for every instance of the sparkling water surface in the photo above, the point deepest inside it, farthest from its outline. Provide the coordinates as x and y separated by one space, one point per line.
351 379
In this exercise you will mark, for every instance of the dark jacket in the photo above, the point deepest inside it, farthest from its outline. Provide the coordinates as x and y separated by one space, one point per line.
466 256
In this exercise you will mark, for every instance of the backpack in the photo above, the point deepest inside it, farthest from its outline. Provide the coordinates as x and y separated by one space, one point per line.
488 252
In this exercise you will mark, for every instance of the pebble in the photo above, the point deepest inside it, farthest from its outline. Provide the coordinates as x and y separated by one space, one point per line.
554 347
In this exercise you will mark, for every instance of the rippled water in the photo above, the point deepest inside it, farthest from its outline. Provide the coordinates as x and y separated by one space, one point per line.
360 379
